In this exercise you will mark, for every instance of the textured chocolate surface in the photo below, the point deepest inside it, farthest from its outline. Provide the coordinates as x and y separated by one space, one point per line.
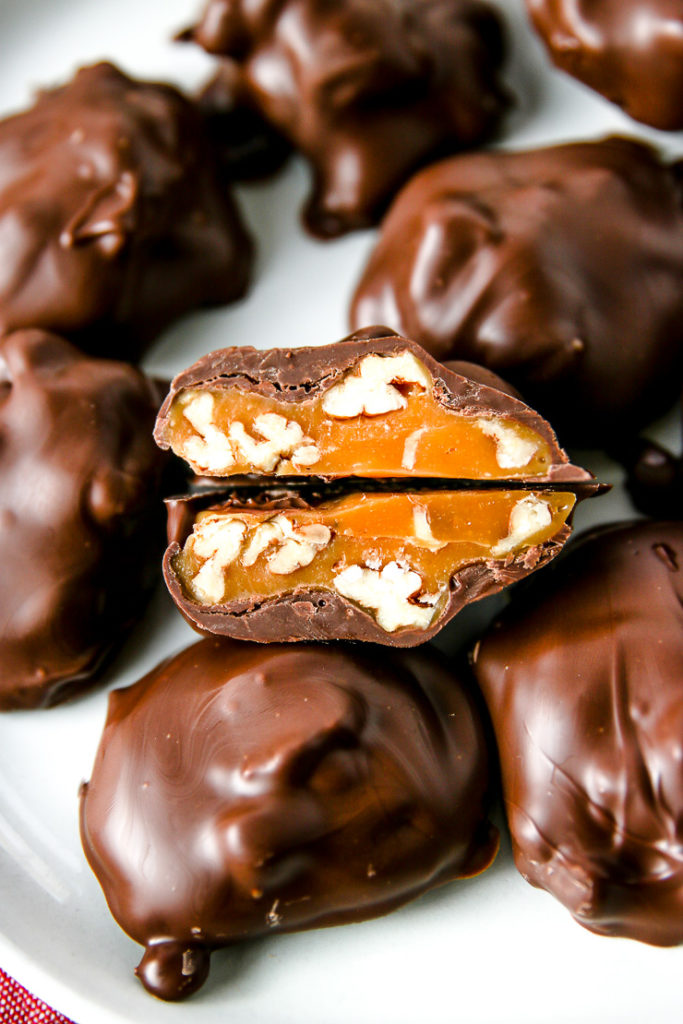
241 790
367 91
79 510
247 145
496 258
584 680
631 51
112 219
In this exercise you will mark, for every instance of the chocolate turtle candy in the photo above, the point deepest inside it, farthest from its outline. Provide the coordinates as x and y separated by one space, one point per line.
80 530
248 147
631 51
495 257
242 790
583 676
112 218
405 491
367 91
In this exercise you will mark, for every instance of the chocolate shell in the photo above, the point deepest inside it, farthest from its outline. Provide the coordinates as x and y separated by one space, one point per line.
248 146
355 541
80 514
496 258
241 791
631 51
583 677
368 92
112 219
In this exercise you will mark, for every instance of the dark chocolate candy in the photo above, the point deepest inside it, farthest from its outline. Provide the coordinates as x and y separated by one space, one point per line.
367 91
241 790
248 146
80 529
654 479
112 219
496 258
631 51
348 562
584 680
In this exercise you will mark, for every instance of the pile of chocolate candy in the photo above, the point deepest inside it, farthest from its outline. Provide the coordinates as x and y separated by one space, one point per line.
314 760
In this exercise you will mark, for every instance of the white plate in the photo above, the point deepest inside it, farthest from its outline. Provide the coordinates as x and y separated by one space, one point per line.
488 950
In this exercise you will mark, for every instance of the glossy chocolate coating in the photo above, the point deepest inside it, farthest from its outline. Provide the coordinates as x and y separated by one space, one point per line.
80 530
584 681
248 146
631 51
367 91
241 790
112 219
654 479
495 258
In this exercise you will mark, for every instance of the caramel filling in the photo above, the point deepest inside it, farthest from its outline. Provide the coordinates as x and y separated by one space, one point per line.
381 419
394 555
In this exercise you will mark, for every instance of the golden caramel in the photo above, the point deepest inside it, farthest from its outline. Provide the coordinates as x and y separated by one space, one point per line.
223 432
393 554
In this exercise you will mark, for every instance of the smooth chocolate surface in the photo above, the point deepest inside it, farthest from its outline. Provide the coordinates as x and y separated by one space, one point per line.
240 790
584 681
372 578
248 146
496 258
80 531
631 51
368 92
112 219
654 479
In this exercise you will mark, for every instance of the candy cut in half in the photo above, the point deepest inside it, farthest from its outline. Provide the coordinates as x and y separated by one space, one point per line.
371 491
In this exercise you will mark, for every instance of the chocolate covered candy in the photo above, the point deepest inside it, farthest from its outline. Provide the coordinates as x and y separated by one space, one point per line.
584 680
80 528
631 51
367 91
241 790
496 258
444 490
654 479
247 145
112 219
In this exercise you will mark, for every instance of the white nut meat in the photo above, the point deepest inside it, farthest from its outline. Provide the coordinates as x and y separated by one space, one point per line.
393 594
210 452
219 541
423 529
283 438
262 537
369 388
410 448
512 451
298 547
528 517
277 438
222 540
